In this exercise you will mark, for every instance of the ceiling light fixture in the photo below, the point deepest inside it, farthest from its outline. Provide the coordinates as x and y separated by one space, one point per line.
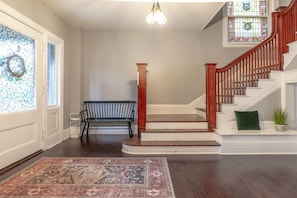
156 16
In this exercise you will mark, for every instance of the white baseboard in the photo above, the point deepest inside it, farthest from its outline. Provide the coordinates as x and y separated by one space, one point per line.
65 134
111 130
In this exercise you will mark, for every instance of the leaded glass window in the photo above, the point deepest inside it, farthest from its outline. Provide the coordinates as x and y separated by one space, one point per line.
17 71
247 21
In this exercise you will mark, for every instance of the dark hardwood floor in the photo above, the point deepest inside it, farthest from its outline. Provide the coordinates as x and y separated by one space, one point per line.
195 176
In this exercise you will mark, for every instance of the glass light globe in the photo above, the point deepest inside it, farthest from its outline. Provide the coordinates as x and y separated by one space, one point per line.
150 19
160 17
156 16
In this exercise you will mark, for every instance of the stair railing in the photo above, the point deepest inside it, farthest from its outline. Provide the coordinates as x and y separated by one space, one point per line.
255 64
288 25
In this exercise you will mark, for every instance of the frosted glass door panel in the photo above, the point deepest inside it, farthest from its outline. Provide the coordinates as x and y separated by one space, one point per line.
17 71
52 75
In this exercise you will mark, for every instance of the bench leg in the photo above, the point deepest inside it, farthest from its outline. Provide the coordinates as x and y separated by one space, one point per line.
130 130
88 125
82 132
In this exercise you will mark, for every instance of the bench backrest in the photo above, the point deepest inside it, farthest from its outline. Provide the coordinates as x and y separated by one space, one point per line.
110 109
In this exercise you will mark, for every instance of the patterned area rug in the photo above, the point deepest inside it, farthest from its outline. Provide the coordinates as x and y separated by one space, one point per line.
91 177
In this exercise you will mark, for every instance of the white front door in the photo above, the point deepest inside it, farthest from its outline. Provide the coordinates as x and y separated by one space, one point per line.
21 91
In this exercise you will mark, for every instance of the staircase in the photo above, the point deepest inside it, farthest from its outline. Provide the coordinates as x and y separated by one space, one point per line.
174 134
237 86
254 74
252 96
189 133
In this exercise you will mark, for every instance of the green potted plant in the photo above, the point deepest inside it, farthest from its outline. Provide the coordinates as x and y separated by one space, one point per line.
280 119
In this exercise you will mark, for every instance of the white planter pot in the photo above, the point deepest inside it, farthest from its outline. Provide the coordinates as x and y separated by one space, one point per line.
280 127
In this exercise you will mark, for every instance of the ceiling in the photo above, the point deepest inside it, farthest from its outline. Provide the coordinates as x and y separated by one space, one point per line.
125 14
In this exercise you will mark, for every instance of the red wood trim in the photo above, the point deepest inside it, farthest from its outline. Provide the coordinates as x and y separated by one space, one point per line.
141 82
211 109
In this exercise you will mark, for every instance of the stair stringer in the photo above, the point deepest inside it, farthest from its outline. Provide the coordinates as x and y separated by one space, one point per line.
252 97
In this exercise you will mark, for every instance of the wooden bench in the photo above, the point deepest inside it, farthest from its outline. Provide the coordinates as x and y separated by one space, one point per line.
108 113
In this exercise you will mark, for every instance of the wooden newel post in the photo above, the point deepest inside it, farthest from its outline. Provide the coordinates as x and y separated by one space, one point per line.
141 83
211 110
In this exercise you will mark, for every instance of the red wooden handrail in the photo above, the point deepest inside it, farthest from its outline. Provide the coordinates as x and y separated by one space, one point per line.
141 83
288 26
255 64
257 47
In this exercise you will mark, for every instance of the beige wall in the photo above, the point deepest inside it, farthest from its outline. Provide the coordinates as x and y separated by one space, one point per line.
176 72
212 46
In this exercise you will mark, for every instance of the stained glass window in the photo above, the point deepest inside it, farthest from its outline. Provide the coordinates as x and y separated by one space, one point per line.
17 71
247 21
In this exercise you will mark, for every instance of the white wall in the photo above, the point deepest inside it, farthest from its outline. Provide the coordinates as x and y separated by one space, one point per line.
266 106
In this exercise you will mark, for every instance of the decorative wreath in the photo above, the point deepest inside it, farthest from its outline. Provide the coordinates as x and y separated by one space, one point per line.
16 65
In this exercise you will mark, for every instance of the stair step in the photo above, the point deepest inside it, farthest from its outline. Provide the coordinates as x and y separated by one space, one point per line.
177 130
174 118
178 135
176 125
136 146
138 142
175 121
201 109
